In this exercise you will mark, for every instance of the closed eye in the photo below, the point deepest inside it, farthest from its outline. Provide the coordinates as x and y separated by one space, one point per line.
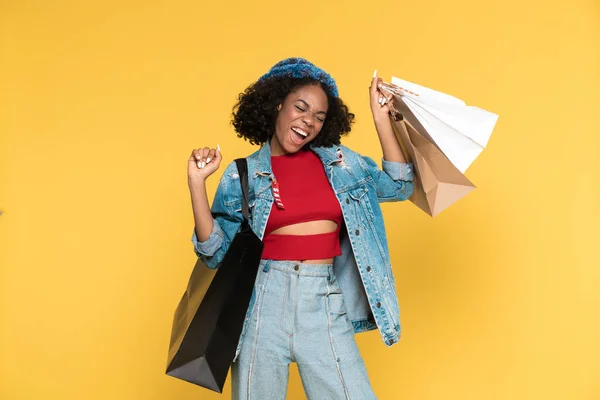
319 118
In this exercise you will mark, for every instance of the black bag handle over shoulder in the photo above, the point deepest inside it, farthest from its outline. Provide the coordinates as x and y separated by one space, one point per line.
242 167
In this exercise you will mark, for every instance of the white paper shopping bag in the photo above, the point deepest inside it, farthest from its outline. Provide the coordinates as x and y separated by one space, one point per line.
461 132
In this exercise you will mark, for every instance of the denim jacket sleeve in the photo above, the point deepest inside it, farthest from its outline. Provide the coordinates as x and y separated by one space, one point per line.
226 220
394 181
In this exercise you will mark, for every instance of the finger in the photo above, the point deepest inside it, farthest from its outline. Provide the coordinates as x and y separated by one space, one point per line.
199 154
195 155
218 155
381 95
382 88
386 99
203 154
386 91
373 87
211 156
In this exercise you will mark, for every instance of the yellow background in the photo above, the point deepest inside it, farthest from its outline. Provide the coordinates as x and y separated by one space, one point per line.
101 104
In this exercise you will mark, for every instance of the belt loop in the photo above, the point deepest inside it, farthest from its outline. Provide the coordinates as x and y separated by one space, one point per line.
266 267
329 273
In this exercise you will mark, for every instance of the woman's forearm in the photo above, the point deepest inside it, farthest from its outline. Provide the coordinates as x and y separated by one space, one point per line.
392 151
203 219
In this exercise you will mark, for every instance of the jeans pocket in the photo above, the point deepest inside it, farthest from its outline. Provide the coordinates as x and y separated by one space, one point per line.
335 304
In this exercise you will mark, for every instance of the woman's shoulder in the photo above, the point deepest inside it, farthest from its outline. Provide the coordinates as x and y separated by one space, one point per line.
349 151
337 149
351 156
230 179
229 187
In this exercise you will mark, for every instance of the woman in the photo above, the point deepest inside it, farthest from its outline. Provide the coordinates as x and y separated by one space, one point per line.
325 271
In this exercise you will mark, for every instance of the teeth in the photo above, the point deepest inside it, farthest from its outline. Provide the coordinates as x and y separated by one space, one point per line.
300 132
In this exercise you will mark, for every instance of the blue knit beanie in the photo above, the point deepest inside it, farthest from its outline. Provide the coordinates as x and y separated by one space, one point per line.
300 68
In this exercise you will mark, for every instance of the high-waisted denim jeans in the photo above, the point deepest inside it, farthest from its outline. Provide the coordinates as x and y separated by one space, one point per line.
299 316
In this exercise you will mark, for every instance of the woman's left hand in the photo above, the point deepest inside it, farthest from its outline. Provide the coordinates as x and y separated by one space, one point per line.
380 99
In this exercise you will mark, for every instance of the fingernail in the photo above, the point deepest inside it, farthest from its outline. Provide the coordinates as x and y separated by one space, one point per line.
208 160
197 157
218 149
375 74
199 164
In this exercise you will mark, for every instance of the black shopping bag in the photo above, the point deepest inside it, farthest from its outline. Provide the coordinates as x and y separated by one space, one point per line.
209 318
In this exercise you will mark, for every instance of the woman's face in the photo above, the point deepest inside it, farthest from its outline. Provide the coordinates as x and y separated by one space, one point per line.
300 119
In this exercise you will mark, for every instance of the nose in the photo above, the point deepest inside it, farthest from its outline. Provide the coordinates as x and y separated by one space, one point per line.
308 118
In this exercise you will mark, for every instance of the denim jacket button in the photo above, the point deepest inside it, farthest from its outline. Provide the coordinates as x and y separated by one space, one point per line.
296 267
378 305
347 201
357 232
368 268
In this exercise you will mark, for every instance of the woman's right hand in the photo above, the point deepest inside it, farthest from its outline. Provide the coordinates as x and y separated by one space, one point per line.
202 163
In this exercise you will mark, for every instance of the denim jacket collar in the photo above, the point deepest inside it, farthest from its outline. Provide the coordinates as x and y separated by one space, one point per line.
328 155
263 161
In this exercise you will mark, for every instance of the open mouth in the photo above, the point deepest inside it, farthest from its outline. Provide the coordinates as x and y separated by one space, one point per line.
298 135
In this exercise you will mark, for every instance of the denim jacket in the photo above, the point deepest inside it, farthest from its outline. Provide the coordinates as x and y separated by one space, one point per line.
363 269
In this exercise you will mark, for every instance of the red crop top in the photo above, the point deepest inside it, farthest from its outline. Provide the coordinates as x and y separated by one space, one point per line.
306 194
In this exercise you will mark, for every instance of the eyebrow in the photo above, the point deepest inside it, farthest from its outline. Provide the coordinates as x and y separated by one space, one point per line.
318 112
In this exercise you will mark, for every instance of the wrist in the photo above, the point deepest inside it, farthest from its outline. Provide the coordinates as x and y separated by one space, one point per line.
196 182
381 120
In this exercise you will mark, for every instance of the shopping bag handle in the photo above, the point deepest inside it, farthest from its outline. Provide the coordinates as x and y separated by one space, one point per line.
242 166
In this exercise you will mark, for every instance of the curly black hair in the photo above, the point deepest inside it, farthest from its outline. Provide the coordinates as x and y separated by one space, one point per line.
255 113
